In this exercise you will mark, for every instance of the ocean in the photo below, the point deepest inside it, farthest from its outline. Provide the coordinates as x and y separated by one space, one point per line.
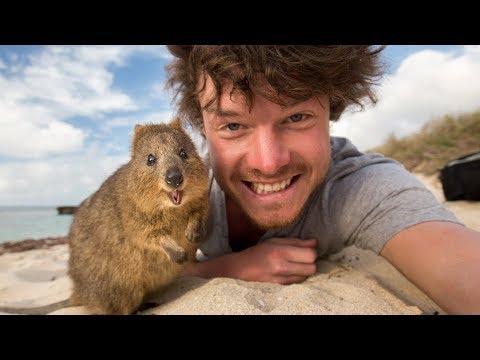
32 222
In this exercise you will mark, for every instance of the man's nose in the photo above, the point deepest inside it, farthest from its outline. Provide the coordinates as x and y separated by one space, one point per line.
268 152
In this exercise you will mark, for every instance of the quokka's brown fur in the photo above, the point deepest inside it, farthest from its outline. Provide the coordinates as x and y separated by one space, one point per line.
134 235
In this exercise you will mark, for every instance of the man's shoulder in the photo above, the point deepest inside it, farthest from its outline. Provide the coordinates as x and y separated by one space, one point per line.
347 159
368 176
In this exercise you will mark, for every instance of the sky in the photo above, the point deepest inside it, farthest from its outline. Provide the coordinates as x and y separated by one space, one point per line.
67 113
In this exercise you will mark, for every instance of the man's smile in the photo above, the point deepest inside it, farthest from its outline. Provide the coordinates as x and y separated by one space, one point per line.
274 193
265 188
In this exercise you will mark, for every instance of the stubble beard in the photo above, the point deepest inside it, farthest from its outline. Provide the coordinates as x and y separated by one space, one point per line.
274 220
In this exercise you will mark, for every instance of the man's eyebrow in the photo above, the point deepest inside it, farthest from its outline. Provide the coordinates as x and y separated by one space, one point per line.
224 113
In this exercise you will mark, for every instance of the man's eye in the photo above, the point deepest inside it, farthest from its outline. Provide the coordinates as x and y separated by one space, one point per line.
233 126
296 117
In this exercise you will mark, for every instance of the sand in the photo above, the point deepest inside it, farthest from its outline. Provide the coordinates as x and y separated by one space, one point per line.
39 277
353 281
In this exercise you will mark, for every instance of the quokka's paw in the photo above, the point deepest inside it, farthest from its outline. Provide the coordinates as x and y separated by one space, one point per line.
194 236
195 231
176 254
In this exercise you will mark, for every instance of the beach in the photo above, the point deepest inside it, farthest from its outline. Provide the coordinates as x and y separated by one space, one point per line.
353 281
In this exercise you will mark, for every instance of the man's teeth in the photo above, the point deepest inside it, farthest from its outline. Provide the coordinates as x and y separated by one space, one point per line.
261 188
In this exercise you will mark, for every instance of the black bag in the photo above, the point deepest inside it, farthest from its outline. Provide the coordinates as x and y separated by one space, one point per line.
461 178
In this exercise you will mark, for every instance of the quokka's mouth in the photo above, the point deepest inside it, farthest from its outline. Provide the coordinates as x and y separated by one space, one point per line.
176 197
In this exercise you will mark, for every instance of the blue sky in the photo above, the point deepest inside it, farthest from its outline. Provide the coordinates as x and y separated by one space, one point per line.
67 112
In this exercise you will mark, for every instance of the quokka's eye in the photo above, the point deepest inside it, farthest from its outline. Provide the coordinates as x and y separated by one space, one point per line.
183 154
151 160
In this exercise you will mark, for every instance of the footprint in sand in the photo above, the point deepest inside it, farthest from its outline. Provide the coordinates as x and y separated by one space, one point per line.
34 274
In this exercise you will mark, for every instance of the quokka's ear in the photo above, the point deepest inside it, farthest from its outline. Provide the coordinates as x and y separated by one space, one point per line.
136 134
177 124
137 129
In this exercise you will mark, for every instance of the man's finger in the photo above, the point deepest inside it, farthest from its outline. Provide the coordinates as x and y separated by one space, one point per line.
298 269
311 243
295 254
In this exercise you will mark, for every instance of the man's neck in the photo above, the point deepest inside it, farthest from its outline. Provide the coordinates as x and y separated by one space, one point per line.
242 233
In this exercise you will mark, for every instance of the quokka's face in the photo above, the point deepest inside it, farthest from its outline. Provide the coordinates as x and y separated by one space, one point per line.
168 167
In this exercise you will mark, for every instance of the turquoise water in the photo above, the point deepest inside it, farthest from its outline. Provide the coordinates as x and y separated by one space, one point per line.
32 222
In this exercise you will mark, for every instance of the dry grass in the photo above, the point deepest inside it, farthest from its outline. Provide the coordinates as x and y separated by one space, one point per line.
437 142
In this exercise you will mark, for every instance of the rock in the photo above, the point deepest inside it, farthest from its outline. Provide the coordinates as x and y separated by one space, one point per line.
30 244
66 210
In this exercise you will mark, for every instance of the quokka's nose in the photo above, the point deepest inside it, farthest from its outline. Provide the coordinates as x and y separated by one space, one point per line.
174 177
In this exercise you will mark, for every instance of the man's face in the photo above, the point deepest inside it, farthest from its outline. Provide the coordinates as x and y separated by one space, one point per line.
269 160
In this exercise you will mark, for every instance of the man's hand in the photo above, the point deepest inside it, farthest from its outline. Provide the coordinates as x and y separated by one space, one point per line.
276 260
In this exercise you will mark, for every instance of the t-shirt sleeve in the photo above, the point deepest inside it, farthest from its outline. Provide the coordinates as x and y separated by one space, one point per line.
369 206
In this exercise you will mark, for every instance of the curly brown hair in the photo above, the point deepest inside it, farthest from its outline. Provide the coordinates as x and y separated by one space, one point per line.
345 73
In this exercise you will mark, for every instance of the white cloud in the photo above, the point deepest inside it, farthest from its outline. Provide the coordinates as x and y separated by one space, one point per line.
472 49
33 132
131 121
50 85
427 84
61 180
75 80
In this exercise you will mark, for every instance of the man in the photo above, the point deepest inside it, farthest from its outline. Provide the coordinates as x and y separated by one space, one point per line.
285 192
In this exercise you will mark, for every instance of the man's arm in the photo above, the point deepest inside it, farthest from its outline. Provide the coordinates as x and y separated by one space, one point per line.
442 259
278 260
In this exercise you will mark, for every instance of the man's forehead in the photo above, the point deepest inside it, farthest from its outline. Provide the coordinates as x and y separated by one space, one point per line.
233 103
229 102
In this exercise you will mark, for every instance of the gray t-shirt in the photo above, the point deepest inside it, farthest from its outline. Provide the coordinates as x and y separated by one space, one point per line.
364 201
